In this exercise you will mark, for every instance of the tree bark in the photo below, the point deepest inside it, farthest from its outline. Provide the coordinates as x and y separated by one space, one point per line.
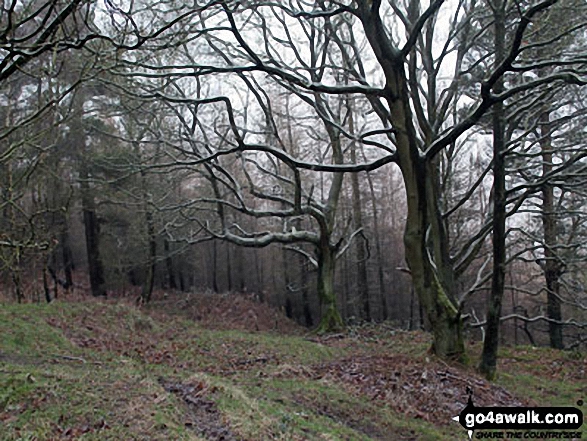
488 366
148 285
425 241
239 261
169 265
552 266
215 267
361 256
92 233
331 320
303 265
90 218
228 267
66 254
326 252
307 307
287 304
46 289
378 253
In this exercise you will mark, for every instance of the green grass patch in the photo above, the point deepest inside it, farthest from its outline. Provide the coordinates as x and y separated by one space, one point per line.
67 399
102 371
299 408
23 330
548 377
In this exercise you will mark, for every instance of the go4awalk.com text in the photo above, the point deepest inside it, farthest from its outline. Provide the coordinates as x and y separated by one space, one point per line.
521 422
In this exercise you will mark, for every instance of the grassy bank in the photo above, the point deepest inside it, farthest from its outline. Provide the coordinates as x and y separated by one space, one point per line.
110 371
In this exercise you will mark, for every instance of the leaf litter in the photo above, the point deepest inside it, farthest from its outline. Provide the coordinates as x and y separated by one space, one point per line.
376 363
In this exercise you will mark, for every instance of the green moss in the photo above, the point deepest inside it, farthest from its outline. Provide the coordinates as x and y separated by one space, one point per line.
331 320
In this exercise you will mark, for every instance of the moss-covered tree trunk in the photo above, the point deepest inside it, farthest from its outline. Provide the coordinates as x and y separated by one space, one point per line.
432 280
424 237
331 319
326 252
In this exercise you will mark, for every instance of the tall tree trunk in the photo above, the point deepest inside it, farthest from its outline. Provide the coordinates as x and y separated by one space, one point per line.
288 304
488 364
15 274
67 256
362 278
552 267
92 234
90 218
171 283
64 242
148 285
425 237
228 267
8 219
258 271
241 285
10 213
215 266
307 307
183 286
378 253
46 289
347 303
425 241
304 282
326 252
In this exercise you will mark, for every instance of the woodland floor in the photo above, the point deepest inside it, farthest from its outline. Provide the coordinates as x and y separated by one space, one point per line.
203 367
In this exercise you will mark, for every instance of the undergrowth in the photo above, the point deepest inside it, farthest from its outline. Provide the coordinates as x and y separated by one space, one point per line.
111 371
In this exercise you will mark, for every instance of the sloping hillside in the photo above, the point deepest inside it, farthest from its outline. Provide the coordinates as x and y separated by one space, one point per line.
111 371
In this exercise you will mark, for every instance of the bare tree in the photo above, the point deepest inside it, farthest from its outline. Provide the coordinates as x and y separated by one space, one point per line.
319 51
219 72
